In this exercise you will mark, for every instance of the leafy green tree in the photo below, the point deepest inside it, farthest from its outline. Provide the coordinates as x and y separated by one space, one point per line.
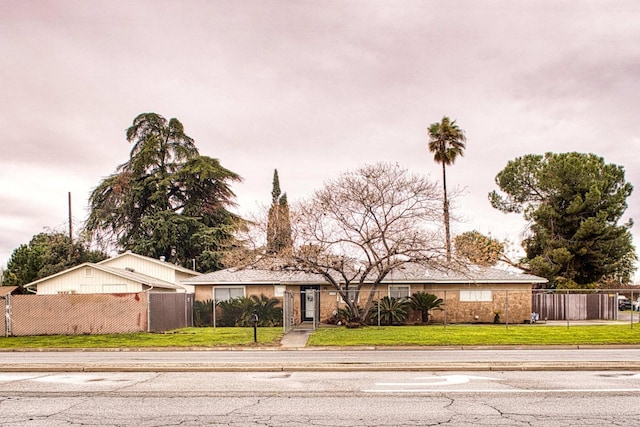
391 310
424 302
44 255
167 199
279 224
574 202
479 249
447 143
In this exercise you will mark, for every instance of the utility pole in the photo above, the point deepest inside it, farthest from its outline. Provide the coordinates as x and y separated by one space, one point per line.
70 221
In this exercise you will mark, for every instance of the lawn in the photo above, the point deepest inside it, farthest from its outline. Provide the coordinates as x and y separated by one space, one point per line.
187 337
432 335
472 335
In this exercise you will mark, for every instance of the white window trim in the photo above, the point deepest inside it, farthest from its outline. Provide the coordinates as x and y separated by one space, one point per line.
215 288
357 300
476 295
279 290
398 287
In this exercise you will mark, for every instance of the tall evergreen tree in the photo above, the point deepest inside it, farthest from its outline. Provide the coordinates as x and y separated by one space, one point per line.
167 199
279 224
574 202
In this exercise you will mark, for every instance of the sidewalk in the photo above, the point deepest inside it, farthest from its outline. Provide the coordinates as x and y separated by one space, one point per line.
296 338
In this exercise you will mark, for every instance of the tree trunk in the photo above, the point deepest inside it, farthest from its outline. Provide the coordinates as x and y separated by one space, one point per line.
446 214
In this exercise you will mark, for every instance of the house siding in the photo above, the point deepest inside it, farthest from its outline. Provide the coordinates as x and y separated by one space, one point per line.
140 265
87 280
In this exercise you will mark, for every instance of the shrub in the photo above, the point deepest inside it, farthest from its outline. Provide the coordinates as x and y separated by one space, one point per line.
269 314
238 311
390 310
424 302
348 317
203 313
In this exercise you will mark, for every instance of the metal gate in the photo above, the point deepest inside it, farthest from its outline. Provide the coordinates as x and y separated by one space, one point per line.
170 311
288 322
562 305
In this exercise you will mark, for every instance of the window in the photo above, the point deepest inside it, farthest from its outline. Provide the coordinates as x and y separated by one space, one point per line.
476 295
225 294
353 295
399 291
88 272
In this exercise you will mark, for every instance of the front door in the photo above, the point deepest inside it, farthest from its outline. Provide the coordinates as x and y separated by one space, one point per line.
308 303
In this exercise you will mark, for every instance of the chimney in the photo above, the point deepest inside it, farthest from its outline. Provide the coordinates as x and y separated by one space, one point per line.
162 258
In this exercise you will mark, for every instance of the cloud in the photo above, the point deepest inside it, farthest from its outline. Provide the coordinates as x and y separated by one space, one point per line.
309 88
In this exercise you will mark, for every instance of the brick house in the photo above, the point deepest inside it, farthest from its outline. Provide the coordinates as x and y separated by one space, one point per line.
473 295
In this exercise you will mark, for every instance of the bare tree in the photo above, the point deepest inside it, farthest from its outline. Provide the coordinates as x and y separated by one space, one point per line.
366 223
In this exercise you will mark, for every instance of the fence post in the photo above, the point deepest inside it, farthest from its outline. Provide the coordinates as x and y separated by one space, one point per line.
632 310
378 309
444 323
213 303
148 311
506 309
566 307
316 309
7 316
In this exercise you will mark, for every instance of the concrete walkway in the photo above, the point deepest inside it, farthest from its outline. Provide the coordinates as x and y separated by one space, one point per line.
297 337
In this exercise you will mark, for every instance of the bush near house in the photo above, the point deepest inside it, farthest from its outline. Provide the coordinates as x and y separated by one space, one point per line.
424 302
203 313
238 311
390 310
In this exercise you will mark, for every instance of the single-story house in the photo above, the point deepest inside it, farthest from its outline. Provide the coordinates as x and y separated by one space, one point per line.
124 273
473 294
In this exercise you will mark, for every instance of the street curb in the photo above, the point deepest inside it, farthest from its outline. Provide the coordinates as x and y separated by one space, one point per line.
332 348
328 367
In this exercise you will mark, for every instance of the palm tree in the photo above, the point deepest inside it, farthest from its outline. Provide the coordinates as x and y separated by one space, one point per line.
446 142
424 302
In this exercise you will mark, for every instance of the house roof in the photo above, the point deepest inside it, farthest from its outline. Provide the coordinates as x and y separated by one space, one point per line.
152 260
256 276
408 273
119 272
6 290
416 273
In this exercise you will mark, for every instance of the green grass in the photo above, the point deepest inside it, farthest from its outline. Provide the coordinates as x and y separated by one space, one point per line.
187 337
472 335
432 335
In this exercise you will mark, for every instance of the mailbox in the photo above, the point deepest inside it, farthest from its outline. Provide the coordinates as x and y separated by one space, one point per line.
254 320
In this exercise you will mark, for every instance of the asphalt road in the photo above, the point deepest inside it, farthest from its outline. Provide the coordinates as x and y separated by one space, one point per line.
381 398
486 359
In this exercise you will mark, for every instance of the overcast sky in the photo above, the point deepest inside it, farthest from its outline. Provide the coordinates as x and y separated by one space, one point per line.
312 88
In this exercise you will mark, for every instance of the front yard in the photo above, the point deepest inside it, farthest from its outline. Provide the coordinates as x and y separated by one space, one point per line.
432 335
